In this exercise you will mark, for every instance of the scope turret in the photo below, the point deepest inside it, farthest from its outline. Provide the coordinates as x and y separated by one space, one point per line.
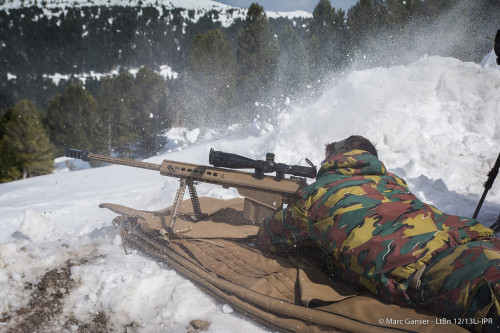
234 161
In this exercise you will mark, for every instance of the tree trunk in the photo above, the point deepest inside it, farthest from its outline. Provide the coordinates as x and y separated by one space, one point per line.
109 136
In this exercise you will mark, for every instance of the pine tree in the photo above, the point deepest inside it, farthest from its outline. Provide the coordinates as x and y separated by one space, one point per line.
328 42
116 109
256 56
293 66
73 120
134 112
25 147
150 110
212 79
366 19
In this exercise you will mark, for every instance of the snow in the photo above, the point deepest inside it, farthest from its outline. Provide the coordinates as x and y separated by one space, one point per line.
435 122
165 71
188 4
179 137
57 77
228 14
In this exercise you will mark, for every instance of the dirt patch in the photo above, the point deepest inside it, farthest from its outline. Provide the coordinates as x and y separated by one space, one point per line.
98 324
198 326
43 313
46 300
46 304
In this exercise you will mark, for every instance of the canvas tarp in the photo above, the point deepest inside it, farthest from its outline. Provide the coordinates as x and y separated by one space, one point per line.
288 294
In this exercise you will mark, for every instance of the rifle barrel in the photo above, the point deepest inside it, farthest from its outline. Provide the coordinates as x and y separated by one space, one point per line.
124 161
87 156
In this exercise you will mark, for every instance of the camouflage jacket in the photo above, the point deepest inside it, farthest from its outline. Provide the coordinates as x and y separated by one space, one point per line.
374 231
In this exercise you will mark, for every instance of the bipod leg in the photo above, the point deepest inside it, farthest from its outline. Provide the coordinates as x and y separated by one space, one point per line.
178 199
194 199
124 239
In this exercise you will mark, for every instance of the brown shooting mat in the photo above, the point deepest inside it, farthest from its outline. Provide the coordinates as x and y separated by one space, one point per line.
288 294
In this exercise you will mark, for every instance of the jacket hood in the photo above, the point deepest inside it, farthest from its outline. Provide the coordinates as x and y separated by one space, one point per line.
352 163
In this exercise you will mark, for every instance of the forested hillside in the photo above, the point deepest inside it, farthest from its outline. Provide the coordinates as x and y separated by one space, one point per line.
112 78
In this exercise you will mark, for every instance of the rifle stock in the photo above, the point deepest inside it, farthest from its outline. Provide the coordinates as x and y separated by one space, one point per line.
262 194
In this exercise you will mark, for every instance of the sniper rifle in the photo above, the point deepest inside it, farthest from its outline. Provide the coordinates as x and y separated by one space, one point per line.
263 194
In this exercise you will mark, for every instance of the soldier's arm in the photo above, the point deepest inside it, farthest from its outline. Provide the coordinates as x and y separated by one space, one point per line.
285 230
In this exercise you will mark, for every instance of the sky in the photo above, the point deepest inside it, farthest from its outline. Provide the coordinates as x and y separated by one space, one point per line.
287 5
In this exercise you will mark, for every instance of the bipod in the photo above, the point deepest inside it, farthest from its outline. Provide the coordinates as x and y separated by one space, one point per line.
174 213
487 186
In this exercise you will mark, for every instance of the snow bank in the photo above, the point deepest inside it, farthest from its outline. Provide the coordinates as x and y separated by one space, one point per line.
437 117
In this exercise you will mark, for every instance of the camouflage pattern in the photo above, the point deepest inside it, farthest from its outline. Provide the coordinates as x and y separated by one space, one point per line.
375 232
464 282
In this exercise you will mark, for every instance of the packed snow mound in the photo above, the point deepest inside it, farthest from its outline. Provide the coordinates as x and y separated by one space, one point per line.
37 228
436 116
435 122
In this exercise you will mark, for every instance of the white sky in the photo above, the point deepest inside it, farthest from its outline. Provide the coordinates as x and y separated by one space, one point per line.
287 5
